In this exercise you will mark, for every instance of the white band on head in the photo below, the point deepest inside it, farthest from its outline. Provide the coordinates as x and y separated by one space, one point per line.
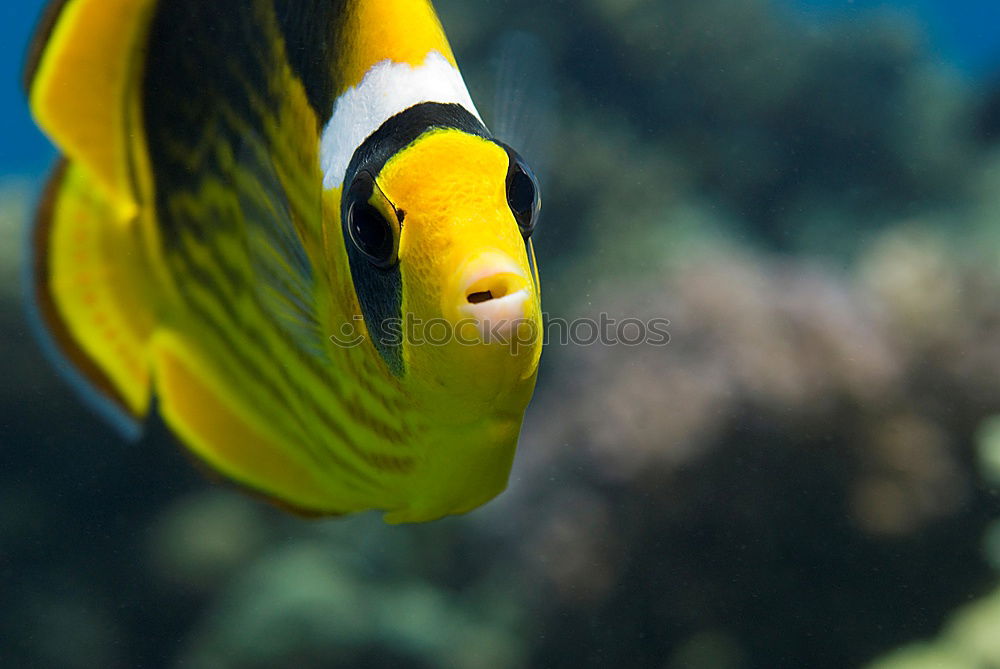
387 89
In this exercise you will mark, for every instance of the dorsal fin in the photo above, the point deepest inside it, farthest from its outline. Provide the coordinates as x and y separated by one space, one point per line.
80 75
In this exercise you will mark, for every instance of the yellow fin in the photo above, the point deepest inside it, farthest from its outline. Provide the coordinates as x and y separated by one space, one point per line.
81 72
224 437
87 298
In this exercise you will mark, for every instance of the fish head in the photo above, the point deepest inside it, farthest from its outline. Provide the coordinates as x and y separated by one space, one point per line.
470 303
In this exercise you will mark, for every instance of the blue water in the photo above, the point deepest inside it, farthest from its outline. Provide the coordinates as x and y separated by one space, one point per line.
964 33
25 150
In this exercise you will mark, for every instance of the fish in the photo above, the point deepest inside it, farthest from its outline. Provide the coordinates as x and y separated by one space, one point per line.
284 227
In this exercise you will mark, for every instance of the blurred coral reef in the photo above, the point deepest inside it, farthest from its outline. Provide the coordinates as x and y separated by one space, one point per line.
806 476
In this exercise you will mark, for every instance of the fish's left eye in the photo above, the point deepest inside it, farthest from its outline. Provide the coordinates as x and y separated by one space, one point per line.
523 196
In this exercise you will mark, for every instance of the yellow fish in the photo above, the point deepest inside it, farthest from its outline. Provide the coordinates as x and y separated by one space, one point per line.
284 223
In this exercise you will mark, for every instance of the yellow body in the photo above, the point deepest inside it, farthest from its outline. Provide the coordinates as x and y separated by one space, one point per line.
184 315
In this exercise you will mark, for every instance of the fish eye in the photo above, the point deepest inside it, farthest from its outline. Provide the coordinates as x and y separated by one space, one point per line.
523 196
375 233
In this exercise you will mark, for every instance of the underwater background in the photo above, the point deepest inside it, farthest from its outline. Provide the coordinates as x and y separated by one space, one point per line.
806 476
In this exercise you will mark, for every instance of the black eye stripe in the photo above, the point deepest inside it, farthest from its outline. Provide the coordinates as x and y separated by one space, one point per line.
374 235
403 129
377 280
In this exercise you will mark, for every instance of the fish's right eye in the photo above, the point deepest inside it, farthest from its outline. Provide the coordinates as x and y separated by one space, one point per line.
369 228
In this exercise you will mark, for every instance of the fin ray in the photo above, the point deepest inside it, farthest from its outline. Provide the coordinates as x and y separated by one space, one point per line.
525 99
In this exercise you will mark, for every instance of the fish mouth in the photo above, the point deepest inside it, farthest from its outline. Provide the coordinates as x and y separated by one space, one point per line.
495 294
499 286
